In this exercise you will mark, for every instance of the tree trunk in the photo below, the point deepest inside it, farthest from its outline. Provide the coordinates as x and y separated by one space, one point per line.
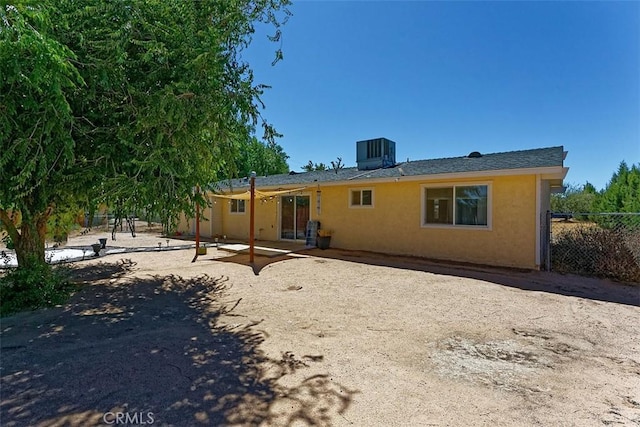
29 242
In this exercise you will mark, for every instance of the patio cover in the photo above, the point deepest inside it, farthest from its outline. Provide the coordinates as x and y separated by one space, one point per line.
259 194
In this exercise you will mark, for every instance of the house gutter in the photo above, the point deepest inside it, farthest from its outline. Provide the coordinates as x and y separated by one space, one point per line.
549 172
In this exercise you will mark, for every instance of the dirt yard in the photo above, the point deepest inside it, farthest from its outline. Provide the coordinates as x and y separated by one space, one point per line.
322 338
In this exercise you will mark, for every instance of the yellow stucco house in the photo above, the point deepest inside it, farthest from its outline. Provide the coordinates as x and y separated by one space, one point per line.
479 208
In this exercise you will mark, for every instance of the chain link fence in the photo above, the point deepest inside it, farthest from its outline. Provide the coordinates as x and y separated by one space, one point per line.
106 220
128 224
596 244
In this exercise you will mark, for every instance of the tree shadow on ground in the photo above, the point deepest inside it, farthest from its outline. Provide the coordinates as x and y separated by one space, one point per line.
155 346
542 281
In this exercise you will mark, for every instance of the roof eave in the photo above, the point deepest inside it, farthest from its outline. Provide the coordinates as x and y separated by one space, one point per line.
547 172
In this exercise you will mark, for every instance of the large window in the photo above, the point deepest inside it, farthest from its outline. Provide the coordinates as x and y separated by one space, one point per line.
456 205
361 198
237 206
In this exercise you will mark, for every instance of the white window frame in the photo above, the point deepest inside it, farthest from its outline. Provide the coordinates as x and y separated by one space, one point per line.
423 205
360 190
238 212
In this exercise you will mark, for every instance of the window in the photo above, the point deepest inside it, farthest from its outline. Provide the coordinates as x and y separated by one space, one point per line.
361 198
471 205
439 205
457 205
237 206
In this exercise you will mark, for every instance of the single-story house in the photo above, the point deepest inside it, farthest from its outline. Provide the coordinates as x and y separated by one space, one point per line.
478 208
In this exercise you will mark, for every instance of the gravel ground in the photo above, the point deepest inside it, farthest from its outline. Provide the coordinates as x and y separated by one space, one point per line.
322 338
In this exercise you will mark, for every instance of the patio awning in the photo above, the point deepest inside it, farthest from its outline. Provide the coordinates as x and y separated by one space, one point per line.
259 194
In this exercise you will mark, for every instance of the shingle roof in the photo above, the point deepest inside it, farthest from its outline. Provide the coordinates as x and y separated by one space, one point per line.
535 158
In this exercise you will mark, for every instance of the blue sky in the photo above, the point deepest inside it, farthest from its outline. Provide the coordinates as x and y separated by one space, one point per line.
446 78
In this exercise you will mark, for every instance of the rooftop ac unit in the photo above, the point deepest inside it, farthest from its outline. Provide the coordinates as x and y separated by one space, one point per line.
375 153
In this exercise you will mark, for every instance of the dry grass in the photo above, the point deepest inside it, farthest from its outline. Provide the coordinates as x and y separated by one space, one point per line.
583 247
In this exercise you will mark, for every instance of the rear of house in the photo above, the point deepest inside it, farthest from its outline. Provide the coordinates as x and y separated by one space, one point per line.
480 208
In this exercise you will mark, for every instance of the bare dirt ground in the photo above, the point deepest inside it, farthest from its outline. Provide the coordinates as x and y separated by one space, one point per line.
322 338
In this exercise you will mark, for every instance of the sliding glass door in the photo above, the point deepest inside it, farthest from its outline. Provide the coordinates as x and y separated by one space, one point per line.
294 214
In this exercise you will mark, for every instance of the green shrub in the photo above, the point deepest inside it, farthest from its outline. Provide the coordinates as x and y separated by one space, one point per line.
28 289
8 242
595 251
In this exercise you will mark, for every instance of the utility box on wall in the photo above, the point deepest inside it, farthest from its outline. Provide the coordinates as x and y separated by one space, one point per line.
375 153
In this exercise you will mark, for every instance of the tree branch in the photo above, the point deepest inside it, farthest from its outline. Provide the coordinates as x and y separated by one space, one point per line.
7 224
42 218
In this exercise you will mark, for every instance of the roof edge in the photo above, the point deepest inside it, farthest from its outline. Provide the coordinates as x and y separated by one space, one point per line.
549 172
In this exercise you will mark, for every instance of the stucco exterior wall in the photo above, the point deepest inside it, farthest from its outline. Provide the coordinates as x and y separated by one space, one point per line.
394 224
236 225
210 221
215 217
266 225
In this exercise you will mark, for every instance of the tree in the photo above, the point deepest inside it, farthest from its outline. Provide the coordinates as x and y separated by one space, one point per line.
622 193
337 164
575 199
262 158
310 167
35 125
128 102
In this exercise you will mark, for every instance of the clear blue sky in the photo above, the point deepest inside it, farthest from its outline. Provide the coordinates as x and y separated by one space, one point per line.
446 78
